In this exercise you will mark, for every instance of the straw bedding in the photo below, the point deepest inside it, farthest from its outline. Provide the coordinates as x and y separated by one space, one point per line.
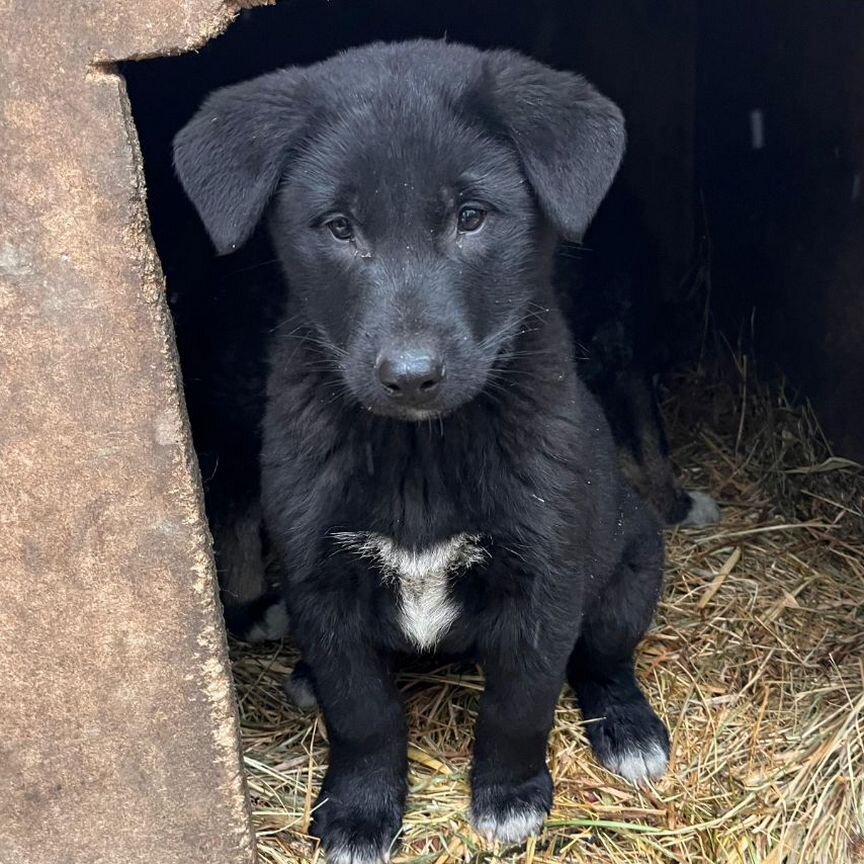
756 662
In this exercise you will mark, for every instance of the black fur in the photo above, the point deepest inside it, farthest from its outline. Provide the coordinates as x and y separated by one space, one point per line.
223 320
611 295
508 446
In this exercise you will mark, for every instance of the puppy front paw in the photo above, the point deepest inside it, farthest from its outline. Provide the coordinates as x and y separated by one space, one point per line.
631 741
355 828
511 813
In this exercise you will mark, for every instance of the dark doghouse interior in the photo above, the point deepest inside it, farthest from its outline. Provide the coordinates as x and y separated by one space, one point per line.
743 175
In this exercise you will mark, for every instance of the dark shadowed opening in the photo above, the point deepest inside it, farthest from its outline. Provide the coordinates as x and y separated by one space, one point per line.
743 174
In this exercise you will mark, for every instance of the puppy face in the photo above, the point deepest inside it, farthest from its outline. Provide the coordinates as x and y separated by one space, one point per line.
411 192
410 238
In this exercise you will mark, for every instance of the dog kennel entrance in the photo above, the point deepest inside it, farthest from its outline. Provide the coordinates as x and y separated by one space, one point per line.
119 724
746 150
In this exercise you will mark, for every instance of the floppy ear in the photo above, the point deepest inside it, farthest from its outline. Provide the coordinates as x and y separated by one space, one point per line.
570 138
231 154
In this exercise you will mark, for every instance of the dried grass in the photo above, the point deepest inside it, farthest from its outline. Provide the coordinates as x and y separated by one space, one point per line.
756 663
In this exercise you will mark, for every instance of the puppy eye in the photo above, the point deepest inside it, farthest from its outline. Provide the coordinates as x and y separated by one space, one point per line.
470 219
341 228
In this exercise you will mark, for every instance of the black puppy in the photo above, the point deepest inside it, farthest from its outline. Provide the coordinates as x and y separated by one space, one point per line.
611 295
434 473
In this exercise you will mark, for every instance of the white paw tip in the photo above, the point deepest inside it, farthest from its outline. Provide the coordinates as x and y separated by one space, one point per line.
355 855
703 511
641 764
515 827
301 694
272 626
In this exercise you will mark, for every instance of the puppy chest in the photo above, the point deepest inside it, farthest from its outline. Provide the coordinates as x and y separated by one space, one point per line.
421 578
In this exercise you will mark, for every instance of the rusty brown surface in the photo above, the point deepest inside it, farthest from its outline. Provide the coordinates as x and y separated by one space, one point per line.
119 731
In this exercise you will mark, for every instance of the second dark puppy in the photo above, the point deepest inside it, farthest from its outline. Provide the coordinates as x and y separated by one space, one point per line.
611 295
434 473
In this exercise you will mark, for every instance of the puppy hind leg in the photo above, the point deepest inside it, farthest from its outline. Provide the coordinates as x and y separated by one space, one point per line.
702 510
623 730
300 687
644 454
254 609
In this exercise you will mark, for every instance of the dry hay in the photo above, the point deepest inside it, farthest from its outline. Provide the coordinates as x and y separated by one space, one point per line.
756 663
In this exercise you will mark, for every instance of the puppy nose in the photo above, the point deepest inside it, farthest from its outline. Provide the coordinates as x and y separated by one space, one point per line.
413 377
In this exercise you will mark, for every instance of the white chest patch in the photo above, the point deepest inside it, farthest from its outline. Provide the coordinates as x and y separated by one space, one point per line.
422 576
